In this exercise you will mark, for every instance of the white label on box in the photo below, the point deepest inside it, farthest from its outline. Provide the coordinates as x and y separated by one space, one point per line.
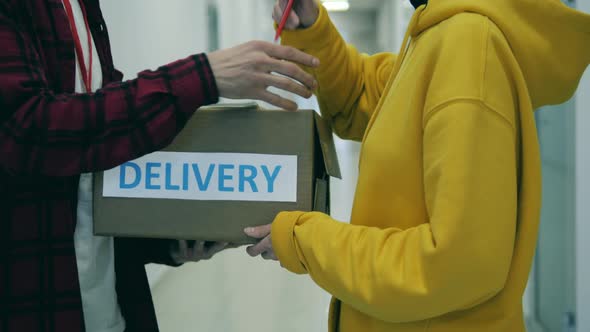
205 176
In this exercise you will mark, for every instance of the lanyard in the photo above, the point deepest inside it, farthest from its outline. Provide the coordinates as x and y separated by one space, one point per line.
86 72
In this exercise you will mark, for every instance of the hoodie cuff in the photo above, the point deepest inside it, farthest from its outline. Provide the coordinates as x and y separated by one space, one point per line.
283 241
316 36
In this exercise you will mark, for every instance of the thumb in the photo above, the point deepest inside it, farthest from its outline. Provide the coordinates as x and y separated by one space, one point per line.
258 232
293 22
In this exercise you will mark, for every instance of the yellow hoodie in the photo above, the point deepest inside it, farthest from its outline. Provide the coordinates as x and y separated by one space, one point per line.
446 212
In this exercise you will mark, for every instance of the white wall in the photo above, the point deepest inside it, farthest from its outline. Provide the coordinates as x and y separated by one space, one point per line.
583 208
393 18
385 25
146 34
360 27
242 21
583 196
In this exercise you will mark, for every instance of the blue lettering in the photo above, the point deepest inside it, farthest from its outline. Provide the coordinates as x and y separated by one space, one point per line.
149 175
271 178
122 176
169 185
223 177
203 185
185 177
248 178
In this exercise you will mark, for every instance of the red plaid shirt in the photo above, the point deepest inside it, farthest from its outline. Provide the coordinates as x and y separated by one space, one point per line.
49 135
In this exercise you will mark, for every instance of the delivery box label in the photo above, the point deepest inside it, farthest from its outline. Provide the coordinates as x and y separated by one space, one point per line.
205 177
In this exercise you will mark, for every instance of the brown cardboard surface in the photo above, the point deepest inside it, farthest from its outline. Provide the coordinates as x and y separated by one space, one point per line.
238 130
326 140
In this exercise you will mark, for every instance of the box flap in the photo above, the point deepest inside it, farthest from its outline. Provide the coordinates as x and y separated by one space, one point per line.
328 148
322 195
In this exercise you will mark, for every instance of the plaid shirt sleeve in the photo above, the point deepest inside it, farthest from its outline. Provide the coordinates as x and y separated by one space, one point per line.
49 134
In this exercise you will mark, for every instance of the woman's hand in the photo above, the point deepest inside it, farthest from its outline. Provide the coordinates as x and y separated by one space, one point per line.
303 15
264 246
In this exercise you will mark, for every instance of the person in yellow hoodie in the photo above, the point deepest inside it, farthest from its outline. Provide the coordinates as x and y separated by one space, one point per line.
446 213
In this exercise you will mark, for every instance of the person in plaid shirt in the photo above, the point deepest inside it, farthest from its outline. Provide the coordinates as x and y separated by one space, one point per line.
65 113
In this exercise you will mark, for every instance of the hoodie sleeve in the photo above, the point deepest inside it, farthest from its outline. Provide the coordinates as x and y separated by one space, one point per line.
350 83
457 259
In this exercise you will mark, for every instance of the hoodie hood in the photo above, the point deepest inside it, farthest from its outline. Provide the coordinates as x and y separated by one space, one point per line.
550 41
418 3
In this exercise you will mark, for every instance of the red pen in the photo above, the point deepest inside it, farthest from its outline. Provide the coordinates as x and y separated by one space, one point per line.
284 19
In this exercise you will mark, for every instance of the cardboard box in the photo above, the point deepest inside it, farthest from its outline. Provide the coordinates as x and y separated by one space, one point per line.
231 167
